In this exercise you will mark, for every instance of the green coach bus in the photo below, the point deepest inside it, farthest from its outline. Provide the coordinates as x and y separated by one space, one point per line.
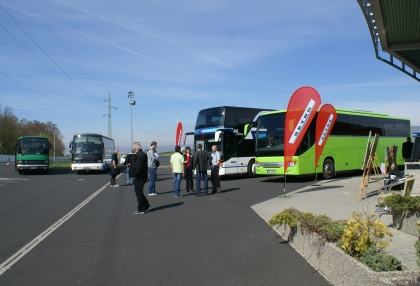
32 153
345 148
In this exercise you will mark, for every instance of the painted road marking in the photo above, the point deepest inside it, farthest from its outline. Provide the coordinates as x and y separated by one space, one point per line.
6 265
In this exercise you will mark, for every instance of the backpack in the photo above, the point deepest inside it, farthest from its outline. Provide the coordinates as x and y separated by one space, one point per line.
157 162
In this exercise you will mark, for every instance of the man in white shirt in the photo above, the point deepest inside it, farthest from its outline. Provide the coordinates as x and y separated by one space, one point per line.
215 164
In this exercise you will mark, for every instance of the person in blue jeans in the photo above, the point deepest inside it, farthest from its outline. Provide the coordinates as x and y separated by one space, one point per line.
201 163
151 164
127 163
177 167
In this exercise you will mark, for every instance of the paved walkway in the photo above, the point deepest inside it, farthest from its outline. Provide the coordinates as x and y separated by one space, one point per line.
338 199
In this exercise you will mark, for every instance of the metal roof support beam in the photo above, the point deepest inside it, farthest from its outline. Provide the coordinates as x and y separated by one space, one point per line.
374 19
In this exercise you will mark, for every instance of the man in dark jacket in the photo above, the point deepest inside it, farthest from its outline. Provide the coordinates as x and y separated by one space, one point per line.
138 171
201 161
407 149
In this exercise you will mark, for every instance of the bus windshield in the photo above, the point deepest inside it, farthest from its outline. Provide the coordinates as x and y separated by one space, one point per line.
210 118
270 135
33 146
208 141
83 144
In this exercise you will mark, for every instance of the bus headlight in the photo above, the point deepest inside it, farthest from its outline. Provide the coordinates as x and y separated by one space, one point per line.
220 164
257 164
46 162
292 163
99 161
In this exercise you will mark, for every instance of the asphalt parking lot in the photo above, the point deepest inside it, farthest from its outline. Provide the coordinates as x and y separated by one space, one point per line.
93 238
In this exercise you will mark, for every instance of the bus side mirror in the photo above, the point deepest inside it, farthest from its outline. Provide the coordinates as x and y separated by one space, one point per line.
70 145
217 136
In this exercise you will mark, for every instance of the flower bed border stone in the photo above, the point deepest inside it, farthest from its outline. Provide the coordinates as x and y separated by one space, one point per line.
406 221
337 266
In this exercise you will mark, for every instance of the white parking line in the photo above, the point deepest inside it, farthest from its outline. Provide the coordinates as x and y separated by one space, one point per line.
28 247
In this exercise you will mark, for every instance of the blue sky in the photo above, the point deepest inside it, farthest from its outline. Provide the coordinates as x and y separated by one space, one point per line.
179 57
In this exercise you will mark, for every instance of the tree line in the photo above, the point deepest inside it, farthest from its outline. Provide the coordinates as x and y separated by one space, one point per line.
11 128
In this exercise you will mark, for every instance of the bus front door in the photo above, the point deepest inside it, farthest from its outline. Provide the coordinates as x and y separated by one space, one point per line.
229 155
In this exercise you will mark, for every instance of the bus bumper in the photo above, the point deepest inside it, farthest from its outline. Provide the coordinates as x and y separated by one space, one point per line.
32 167
88 167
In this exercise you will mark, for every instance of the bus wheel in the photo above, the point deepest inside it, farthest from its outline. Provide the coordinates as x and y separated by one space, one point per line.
328 169
251 164
20 172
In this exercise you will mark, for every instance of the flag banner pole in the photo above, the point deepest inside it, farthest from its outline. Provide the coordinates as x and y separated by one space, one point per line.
301 110
284 196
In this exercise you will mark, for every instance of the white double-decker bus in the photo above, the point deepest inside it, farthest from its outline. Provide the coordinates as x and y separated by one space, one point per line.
231 129
91 152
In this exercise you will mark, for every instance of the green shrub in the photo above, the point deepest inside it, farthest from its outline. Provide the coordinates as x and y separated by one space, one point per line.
334 230
288 216
399 203
378 261
339 243
325 226
321 224
417 247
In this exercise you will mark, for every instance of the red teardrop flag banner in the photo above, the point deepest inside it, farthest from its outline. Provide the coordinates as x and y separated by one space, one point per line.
178 134
301 110
324 123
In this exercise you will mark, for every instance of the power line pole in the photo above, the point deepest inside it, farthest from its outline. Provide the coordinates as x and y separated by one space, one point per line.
109 115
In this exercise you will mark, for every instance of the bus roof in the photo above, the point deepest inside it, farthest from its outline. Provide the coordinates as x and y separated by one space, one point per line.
92 134
348 111
32 136
217 107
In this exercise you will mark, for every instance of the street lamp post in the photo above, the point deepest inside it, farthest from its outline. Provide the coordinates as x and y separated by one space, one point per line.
132 102
54 151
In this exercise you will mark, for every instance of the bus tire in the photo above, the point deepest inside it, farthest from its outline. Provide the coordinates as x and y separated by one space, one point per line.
20 172
328 169
251 164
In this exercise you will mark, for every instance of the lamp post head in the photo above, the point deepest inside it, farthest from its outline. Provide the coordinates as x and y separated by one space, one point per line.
130 94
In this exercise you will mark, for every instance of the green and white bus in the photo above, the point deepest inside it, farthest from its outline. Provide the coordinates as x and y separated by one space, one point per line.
32 153
345 148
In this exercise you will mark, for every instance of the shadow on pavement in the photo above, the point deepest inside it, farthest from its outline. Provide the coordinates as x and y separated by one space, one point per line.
308 178
166 206
322 188
229 190
51 172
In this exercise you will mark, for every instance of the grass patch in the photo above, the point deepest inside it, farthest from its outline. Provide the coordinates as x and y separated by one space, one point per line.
60 165
166 153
